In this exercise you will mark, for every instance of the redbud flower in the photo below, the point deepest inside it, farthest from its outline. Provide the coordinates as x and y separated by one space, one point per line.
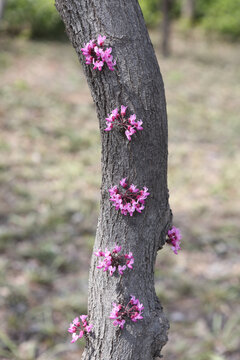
79 324
123 183
133 189
96 55
101 40
114 261
123 110
115 114
129 200
97 65
128 125
133 311
174 237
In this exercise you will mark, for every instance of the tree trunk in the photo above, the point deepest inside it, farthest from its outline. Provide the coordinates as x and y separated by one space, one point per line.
166 23
136 83
2 5
188 10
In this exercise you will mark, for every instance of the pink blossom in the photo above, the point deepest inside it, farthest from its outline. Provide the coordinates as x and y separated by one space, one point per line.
96 55
139 125
129 256
81 333
120 313
75 337
123 182
83 318
87 50
132 119
79 324
123 110
116 309
133 189
113 190
109 127
101 40
117 249
98 51
129 263
113 261
136 316
107 57
72 329
111 269
129 132
110 118
76 321
121 269
174 239
99 253
89 328
143 195
115 114
97 65
129 201
139 207
128 135
101 265
133 300
89 60
107 252
129 125
121 323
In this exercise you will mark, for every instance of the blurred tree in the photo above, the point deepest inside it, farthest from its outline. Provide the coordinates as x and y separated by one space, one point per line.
2 4
188 10
166 23
136 83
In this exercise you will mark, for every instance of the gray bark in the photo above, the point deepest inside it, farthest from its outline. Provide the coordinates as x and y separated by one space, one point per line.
137 83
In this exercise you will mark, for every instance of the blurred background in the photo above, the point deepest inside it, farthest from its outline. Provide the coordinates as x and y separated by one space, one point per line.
50 179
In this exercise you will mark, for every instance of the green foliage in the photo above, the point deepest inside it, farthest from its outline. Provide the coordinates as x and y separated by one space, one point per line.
223 17
38 18
151 11
219 16
201 7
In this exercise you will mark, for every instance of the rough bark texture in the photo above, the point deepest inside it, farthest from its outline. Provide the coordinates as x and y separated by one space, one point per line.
137 83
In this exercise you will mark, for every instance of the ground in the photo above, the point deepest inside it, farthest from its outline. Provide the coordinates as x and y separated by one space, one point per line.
49 198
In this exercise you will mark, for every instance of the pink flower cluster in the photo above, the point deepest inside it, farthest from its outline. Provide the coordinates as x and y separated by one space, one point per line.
121 313
174 237
130 125
96 55
79 324
114 261
130 200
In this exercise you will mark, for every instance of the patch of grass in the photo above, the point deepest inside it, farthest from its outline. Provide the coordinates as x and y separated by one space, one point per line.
42 277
